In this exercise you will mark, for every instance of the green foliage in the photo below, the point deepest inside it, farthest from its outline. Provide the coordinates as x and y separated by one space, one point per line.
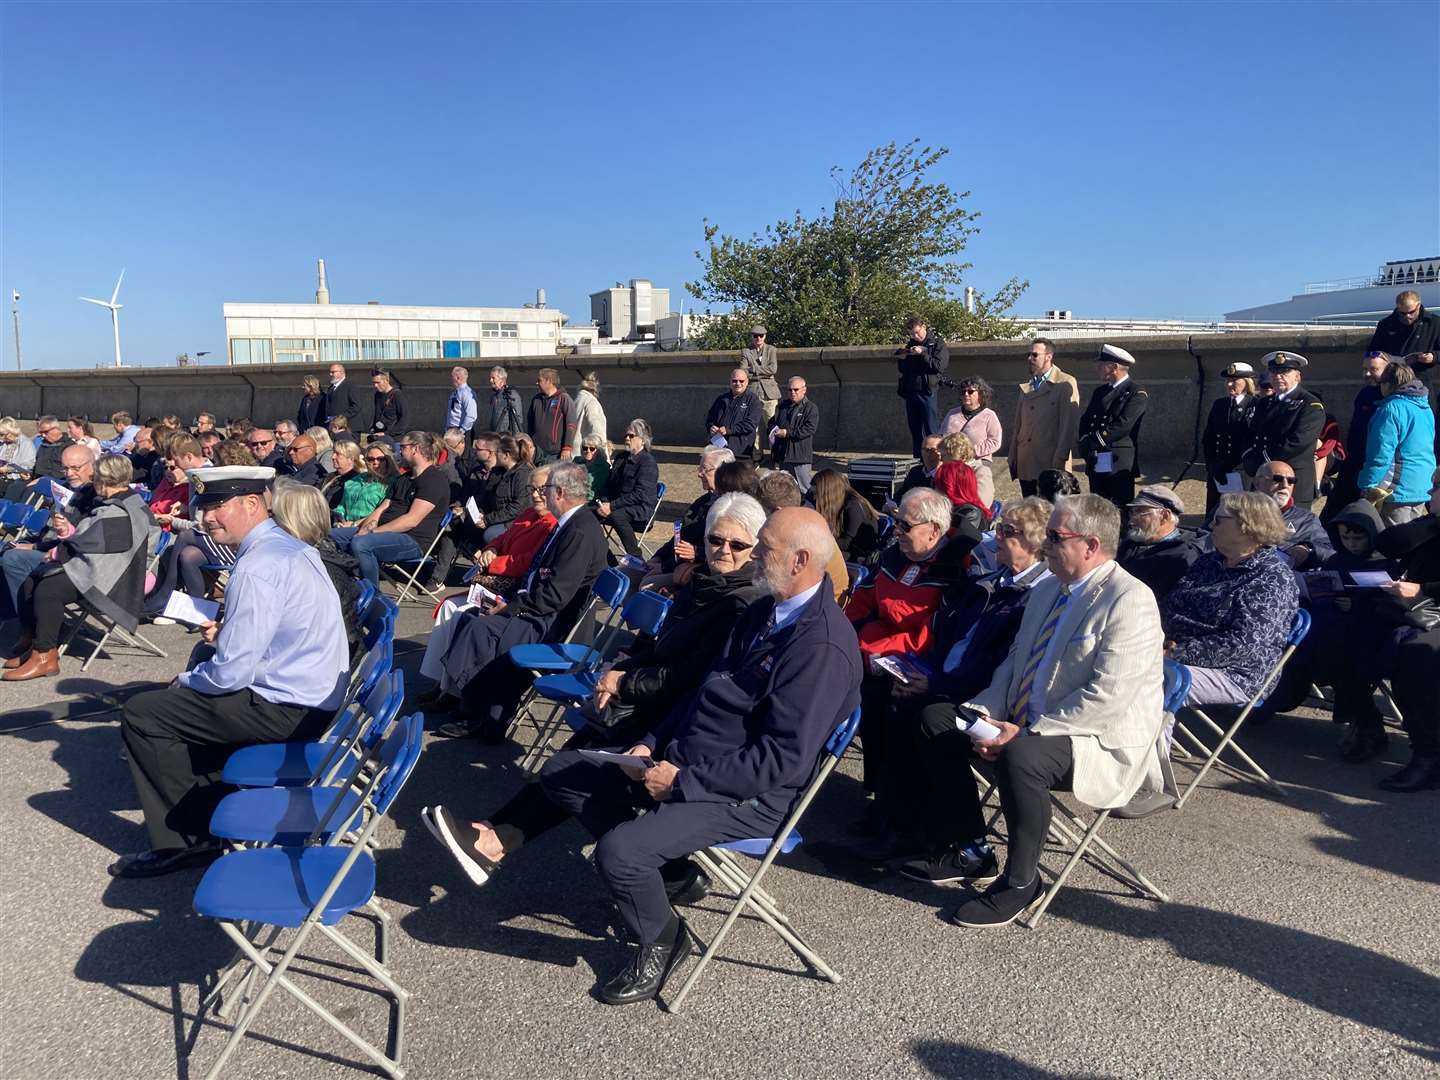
886 249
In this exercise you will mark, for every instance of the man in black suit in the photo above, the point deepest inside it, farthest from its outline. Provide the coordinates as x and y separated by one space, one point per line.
727 765
1110 428
1288 425
554 591
340 397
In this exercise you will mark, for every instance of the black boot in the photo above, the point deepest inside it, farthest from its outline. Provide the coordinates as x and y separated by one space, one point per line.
1363 742
644 976
1422 774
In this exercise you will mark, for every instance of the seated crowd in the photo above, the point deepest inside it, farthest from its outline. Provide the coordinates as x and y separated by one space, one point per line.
1022 645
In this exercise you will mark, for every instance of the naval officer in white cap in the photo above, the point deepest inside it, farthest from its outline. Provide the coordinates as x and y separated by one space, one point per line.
1110 428
1229 431
1288 424
279 672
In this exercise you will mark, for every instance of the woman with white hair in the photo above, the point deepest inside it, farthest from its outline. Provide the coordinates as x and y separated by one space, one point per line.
17 453
636 692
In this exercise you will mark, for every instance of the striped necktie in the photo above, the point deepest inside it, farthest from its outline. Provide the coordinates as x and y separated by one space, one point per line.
1037 653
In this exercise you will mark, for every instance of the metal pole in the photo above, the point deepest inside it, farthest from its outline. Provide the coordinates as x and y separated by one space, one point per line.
15 311
115 319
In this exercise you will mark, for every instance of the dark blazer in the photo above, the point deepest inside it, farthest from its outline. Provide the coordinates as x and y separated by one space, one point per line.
755 727
740 415
311 412
1162 564
919 375
558 582
1288 431
1229 431
633 488
1112 422
1395 336
800 419
508 496
340 401
389 414
992 609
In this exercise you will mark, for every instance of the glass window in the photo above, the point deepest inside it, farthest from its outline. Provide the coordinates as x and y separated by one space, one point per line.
379 349
339 350
469 350
250 351
421 350
452 350
294 343
294 356
490 329
509 329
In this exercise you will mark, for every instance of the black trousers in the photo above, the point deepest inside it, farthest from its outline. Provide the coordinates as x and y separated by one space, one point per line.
1415 680
1118 487
631 849
42 607
625 530
490 685
1029 488
178 741
948 803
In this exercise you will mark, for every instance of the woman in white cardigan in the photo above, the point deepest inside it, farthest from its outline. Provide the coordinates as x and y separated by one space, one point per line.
589 416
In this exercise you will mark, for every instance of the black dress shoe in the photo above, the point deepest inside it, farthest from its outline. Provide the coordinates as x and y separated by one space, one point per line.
1422 774
644 976
436 700
689 888
149 864
1363 743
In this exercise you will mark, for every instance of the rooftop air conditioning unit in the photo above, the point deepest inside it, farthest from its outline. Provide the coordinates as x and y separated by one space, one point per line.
1055 315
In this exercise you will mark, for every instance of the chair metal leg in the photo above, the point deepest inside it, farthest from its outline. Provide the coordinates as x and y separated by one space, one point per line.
1227 741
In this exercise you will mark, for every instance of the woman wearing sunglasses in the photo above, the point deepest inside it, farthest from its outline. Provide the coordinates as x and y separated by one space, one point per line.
363 479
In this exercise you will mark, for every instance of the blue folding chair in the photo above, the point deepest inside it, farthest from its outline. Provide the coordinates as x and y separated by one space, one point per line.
34 523
1298 629
610 589
265 891
12 516
367 593
641 538
378 619
720 862
436 590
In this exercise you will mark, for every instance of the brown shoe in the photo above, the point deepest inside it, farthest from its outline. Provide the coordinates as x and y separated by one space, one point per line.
36 666
22 653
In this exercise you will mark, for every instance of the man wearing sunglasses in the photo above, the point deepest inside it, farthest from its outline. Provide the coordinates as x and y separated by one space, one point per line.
734 417
1288 424
1309 544
265 447
1046 419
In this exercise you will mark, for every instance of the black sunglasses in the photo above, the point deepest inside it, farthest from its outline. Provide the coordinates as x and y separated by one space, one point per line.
1283 481
736 546
905 526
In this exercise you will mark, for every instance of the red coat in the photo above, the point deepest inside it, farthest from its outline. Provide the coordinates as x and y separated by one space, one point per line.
171 498
893 611
518 545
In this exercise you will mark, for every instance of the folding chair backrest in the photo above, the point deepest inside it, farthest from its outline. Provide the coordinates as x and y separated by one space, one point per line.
996 507
379 616
398 755
645 612
367 593
610 587
1177 686
839 740
42 487
36 521
1299 628
383 705
374 666
14 515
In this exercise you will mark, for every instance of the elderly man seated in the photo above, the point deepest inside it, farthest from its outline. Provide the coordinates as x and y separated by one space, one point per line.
280 669
1156 549
302 462
727 765
1308 544
892 611
1077 703
475 668
20 560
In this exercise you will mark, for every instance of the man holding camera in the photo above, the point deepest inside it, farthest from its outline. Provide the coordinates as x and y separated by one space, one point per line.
921 362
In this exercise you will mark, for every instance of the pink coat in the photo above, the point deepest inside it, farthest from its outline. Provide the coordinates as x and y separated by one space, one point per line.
983 429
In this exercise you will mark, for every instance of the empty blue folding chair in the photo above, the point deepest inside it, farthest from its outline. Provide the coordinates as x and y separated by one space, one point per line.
610 589
412 584
1298 629
720 862
307 889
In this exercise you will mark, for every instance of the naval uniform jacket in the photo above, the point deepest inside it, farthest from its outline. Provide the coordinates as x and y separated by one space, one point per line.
1287 430
1112 422
1229 432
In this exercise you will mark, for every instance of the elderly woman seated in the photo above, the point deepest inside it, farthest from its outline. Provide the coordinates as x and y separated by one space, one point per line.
892 612
99 563
635 693
633 488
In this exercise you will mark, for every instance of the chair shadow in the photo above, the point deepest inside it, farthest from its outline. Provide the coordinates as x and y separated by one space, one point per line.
98 785
939 1057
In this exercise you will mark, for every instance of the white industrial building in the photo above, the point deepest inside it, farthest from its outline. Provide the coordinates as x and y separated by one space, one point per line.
629 313
1352 300
323 333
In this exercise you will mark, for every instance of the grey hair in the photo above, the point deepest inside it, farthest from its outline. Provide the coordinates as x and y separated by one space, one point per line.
455 433
114 470
321 437
499 369
1091 515
929 505
300 510
744 510
571 480
641 428
9 426
717 456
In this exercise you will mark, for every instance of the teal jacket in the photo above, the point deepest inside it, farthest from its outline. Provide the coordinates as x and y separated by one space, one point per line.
1400 447
360 496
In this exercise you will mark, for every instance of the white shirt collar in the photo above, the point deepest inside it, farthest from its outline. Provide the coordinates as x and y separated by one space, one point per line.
1078 587
560 524
1119 382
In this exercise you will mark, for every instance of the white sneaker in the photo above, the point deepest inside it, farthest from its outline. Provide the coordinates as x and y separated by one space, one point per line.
161 620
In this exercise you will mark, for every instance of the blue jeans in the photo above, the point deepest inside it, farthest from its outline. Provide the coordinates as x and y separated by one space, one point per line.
374 548
16 565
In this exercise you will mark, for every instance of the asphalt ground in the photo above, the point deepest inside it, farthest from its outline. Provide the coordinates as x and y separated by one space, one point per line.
1300 937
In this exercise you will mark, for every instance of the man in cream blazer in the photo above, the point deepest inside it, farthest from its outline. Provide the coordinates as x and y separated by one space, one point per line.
1078 700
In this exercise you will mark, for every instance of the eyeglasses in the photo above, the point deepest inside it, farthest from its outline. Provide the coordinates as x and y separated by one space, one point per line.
1034 356
1055 537
628 435
1283 481
1009 532
736 546
905 526
374 457
738 382
592 449
260 442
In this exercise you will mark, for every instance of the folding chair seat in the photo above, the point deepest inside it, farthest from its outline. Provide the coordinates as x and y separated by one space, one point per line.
80 616
720 862
1298 629
257 893
12 517
299 763
610 589
435 590
34 523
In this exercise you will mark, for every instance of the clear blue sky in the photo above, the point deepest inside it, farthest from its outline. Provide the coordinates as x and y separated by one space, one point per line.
1129 159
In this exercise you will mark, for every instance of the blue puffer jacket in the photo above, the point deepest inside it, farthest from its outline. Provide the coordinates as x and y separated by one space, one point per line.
1400 448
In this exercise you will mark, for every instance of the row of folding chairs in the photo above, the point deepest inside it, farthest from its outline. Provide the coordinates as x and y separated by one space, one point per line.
301 832
22 521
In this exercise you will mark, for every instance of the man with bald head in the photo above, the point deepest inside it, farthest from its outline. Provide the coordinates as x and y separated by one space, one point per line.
1309 544
77 473
301 462
734 417
726 766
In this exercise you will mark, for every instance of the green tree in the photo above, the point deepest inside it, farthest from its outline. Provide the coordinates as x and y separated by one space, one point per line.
888 247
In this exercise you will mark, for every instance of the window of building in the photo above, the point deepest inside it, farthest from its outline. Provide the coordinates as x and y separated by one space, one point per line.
421 350
461 350
250 350
339 350
379 349
294 343
500 330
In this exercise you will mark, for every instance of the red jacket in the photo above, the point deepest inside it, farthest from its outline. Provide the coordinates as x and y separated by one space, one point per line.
518 545
171 498
892 612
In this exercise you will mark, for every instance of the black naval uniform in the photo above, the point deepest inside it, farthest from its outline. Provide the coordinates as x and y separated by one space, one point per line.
1229 432
1112 422
1288 429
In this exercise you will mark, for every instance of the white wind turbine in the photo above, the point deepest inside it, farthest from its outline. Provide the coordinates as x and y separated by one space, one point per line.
114 312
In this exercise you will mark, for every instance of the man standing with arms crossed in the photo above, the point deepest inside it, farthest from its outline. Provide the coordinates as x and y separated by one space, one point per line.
761 363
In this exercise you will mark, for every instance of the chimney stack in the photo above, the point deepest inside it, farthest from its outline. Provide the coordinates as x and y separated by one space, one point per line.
322 291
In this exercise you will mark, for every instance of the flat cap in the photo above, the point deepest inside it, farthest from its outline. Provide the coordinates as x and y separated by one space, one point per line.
1239 370
1284 361
758 329
1115 355
1159 495
214 484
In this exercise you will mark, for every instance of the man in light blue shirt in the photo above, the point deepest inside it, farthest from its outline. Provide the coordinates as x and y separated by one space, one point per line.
462 411
279 672
125 431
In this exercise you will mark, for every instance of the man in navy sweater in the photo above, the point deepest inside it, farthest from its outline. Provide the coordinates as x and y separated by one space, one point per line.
727 766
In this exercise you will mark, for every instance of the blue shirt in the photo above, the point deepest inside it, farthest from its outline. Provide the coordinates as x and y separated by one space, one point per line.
121 442
462 411
283 635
